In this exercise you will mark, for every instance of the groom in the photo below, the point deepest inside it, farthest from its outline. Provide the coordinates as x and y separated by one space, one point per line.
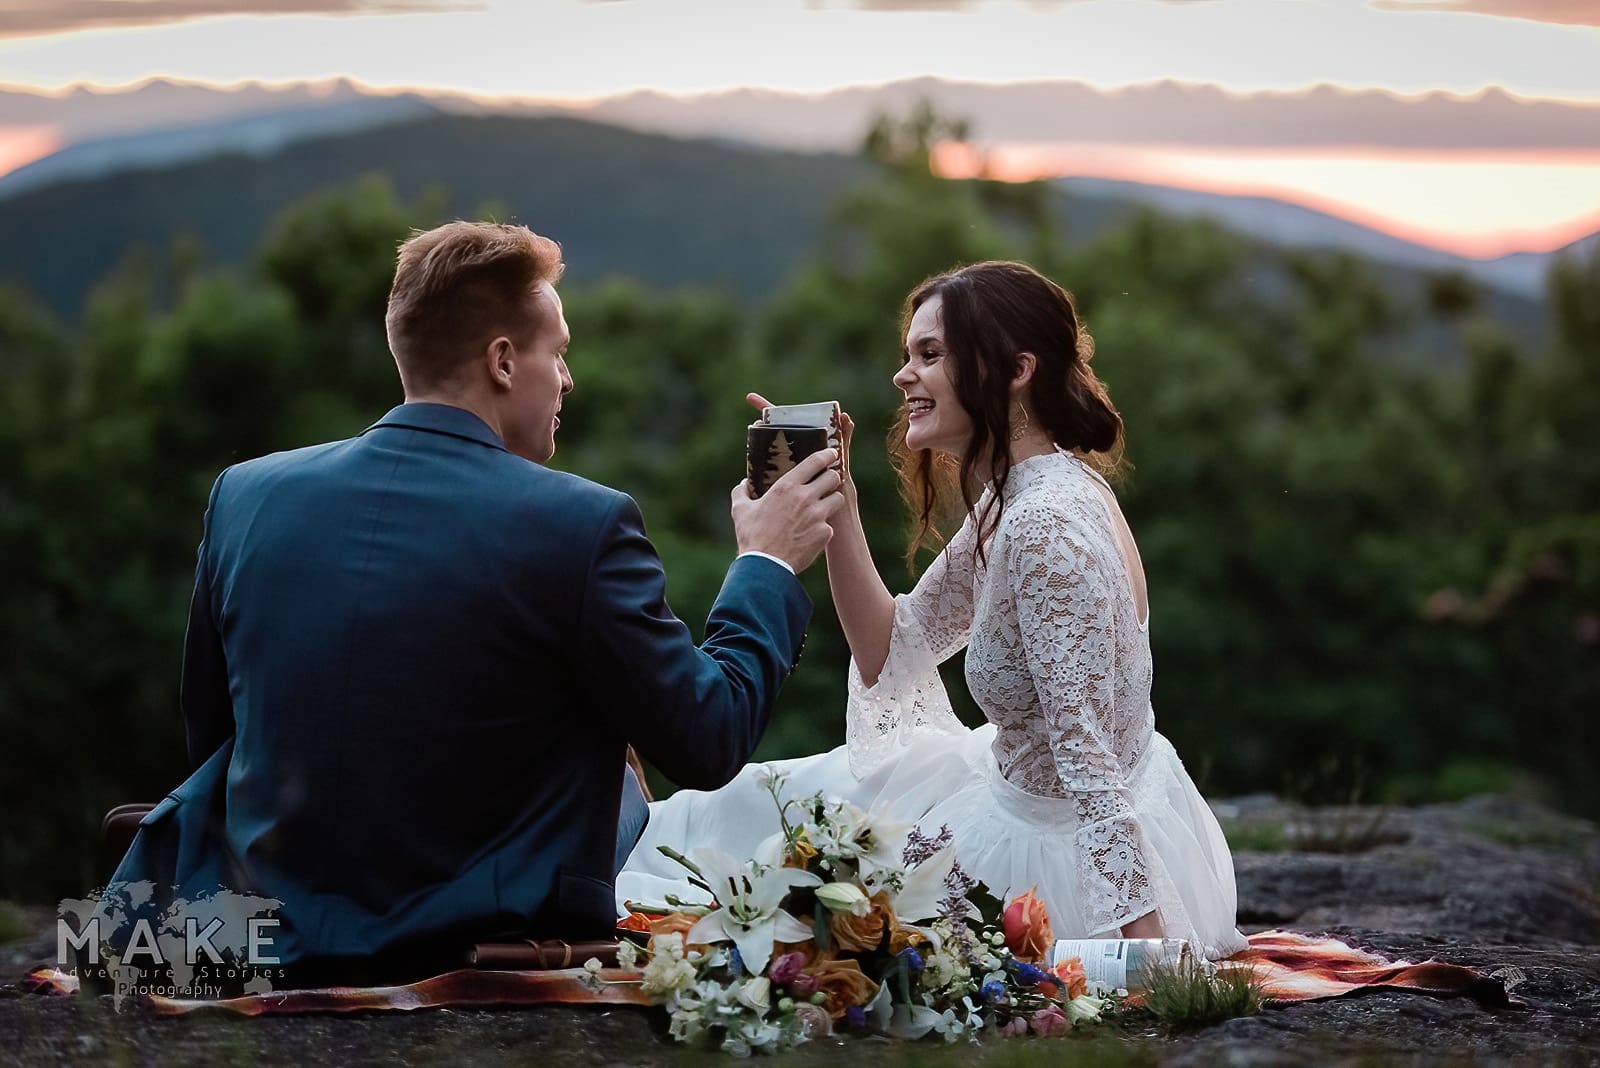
416 658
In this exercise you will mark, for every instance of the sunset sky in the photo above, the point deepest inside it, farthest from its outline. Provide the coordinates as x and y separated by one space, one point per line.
1480 201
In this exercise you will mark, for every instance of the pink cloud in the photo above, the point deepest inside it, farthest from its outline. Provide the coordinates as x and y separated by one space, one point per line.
1561 12
29 18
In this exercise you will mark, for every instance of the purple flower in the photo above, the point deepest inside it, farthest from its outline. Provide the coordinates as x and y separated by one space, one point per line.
957 885
919 847
856 1017
736 963
912 958
993 992
785 968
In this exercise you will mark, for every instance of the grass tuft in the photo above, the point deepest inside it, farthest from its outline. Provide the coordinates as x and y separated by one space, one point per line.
1185 998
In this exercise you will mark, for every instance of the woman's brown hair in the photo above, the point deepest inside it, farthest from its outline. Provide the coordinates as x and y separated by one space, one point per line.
990 314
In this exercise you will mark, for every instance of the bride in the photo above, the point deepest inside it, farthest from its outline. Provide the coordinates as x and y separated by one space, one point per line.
1068 788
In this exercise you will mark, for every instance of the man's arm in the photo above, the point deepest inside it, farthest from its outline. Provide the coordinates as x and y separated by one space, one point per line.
203 694
695 713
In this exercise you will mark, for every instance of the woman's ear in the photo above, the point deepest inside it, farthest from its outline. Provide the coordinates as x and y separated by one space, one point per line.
1027 363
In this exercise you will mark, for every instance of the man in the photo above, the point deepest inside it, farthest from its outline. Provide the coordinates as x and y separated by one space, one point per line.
415 658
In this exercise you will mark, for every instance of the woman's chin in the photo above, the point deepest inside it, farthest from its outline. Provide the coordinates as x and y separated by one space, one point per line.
923 442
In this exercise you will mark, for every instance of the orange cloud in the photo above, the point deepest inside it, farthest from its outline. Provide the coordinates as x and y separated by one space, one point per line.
31 18
1561 12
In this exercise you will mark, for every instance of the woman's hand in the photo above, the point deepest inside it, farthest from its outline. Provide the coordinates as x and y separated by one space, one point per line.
847 430
1146 926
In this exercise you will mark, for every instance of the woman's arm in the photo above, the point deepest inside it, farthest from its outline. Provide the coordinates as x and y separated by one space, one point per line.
863 603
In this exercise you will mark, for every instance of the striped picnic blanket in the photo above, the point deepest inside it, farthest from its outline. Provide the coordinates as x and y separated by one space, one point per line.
1289 967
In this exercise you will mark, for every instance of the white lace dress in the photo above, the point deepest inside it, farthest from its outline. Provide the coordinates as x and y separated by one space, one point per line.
1068 788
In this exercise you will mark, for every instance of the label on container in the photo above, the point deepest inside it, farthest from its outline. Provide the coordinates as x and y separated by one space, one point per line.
1105 960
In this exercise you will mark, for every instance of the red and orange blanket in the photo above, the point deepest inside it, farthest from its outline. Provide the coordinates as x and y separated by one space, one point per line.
1289 967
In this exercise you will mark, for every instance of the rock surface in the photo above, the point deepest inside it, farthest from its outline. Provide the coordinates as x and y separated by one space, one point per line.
1491 883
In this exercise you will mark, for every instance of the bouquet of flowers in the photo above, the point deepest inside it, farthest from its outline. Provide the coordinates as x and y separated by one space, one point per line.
842 923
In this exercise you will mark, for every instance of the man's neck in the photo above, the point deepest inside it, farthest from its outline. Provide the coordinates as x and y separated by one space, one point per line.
478 407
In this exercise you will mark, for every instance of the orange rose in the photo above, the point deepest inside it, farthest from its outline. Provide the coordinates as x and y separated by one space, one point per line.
635 921
905 937
1026 924
802 852
1070 977
844 983
863 934
674 923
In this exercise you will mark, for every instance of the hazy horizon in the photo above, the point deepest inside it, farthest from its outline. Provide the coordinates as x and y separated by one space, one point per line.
1504 58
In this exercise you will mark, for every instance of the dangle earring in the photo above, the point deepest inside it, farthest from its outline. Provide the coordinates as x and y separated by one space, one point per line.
1018 430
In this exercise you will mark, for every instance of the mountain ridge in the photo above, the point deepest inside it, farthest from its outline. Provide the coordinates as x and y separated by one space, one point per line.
713 214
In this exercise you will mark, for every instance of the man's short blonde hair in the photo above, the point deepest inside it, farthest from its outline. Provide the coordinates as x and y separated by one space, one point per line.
456 287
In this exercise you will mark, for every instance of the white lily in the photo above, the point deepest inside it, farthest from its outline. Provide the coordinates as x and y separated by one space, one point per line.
844 897
1084 1009
849 833
750 895
923 891
756 995
899 1021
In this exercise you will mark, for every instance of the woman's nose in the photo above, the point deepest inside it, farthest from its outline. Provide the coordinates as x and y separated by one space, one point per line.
903 377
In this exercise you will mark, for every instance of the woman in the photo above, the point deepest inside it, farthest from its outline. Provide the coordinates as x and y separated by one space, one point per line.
1068 788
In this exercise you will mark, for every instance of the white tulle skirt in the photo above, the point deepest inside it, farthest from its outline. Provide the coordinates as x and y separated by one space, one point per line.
1010 839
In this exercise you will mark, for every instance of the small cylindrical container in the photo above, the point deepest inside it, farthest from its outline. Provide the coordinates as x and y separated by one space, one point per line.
1124 963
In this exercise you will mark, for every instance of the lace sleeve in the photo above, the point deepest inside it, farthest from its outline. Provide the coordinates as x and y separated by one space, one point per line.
1064 596
931 623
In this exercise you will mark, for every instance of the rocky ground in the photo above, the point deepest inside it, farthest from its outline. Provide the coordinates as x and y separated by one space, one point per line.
1492 883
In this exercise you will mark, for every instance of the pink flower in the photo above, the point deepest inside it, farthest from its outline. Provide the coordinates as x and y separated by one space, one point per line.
1026 924
814 1020
1050 1021
803 986
1016 1026
786 967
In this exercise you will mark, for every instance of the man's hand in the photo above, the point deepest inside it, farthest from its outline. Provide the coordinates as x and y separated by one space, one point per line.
791 520
847 432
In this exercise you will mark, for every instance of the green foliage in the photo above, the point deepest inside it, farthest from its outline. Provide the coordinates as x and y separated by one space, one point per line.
1367 513
1255 836
13 923
1184 998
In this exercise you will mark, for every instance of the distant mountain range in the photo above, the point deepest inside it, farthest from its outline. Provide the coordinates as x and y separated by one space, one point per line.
165 123
708 214
255 133
1289 225
1162 113
668 211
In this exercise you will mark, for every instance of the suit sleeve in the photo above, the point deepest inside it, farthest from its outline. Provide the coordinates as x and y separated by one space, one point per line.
203 695
695 712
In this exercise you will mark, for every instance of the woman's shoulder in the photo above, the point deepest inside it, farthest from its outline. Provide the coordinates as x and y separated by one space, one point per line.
1052 488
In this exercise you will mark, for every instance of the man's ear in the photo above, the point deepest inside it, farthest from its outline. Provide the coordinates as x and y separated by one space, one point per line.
1027 363
497 357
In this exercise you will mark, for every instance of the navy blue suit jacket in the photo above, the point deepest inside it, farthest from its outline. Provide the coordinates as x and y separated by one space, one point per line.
413 663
